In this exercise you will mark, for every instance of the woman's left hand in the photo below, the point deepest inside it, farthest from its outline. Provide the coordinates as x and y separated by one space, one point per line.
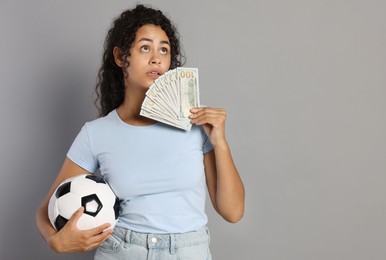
212 120
225 186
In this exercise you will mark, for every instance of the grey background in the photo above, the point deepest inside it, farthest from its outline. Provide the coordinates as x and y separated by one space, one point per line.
303 83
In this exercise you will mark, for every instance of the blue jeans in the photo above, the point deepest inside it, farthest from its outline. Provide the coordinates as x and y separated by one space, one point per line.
127 244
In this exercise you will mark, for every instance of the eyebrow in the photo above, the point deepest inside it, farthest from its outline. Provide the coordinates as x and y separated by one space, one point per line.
150 40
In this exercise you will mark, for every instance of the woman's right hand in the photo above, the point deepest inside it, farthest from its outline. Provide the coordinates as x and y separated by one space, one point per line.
72 239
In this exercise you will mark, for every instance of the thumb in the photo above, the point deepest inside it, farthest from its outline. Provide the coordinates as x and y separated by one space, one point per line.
76 216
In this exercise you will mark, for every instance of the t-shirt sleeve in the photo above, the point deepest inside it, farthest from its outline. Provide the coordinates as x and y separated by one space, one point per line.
81 153
207 146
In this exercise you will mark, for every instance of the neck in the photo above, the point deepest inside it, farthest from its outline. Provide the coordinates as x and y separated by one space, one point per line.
129 110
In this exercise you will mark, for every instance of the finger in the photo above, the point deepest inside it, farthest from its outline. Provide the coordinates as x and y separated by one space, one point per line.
104 235
102 229
94 245
101 237
195 112
91 246
216 115
203 111
196 109
99 229
93 241
208 119
199 109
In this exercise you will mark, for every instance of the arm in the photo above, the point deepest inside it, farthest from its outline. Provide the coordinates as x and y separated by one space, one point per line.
225 186
69 238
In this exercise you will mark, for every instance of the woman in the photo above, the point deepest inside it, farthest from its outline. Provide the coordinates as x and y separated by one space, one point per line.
160 173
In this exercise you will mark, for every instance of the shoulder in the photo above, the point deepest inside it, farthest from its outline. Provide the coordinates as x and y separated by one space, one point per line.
107 120
99 127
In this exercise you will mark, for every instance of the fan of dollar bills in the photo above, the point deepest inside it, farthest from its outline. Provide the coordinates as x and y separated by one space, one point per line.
171 96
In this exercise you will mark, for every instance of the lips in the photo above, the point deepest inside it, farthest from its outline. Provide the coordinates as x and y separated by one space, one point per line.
154 74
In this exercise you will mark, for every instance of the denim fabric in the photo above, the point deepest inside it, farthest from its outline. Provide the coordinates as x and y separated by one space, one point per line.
127 244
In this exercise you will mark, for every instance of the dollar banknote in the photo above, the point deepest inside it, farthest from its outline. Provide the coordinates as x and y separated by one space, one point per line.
171 96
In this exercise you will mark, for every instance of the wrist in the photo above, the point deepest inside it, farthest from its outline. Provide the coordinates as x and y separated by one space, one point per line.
54 243
220 144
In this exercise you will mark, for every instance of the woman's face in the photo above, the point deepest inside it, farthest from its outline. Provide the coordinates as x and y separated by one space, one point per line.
149 57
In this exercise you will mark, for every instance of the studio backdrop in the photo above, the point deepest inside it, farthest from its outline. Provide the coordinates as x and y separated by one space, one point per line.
304 86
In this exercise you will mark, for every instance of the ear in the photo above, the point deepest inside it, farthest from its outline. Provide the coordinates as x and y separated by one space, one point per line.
117 57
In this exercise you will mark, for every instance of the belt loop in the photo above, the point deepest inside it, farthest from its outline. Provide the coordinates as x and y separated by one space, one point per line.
127 237
208 233
172 244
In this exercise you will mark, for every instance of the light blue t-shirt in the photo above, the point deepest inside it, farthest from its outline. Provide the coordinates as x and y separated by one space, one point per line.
157 171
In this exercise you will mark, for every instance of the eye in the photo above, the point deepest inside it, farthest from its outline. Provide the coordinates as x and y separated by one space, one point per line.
164 51
145 48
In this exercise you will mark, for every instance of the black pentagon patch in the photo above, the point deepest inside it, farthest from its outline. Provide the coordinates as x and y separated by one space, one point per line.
60 222
95 178
63 189
117 207
93 198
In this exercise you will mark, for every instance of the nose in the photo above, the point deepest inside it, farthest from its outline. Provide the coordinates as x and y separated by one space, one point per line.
155 59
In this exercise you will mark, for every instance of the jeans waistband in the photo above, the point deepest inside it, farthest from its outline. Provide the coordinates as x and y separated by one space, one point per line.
163 241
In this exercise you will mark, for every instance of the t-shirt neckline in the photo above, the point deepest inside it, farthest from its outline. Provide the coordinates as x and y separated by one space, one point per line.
130 125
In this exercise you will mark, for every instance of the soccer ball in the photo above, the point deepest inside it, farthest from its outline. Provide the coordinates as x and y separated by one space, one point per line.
90 191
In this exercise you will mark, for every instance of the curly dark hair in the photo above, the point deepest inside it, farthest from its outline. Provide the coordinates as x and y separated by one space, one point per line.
110 88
